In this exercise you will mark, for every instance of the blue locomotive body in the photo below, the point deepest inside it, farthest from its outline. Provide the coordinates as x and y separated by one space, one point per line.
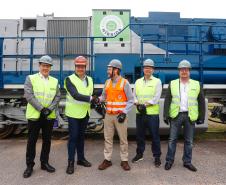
164 37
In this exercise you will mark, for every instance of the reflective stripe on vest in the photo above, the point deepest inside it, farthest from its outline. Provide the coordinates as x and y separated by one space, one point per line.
116 99
193 92
74 108
145 92
44 92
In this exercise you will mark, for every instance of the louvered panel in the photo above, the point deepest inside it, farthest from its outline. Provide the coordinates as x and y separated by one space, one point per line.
64 27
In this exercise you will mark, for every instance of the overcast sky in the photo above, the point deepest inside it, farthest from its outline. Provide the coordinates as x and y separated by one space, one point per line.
80 8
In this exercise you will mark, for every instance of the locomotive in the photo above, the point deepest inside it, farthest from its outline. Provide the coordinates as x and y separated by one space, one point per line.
108 34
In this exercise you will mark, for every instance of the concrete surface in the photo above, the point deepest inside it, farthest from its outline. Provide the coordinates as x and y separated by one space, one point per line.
208 156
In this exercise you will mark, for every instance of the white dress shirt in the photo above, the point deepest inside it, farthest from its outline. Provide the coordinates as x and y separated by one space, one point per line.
184 97
45 79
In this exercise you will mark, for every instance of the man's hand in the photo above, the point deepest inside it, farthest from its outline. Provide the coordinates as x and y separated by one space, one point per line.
167 121
94 101
141 108
101 109
45 112
121 117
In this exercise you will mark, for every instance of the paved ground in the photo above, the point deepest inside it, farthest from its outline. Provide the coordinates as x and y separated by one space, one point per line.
209 157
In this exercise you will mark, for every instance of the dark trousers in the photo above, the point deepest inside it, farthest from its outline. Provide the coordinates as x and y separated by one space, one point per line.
152 123
175 128
33 133
76 137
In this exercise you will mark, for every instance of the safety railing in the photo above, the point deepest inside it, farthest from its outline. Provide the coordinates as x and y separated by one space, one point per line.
167 41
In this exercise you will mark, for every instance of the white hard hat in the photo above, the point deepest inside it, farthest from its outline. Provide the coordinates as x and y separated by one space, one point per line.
184 64
115 63
46 60
148 63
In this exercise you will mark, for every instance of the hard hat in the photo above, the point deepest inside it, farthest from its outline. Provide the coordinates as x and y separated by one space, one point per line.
46 59
115 63
148 63
184 64
80 61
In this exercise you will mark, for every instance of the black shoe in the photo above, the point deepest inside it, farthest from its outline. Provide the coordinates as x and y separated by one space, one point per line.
28 172
190 167
47 167
138 157
157 162
84 163
70 168
168 165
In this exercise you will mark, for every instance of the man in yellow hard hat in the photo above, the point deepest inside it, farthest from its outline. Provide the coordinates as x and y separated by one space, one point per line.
79 89
43 95
184 106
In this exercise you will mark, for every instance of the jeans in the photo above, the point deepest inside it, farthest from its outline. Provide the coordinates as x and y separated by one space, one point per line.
152 123
76 137
33 133
175 128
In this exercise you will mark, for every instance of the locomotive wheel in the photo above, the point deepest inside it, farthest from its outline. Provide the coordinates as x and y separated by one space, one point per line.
7 130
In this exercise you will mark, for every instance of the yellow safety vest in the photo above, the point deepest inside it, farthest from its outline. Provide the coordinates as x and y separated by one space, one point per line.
193 92
44 92
145 92
74 108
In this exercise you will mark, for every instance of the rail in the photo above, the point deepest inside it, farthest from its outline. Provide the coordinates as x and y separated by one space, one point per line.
166 41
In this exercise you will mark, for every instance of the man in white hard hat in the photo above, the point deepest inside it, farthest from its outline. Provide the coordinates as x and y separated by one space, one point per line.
43 95
184 106
118 96
147 92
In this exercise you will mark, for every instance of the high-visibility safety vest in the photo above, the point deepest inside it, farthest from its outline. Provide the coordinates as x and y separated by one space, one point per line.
74 108
193 92
145 92
44 92
115 96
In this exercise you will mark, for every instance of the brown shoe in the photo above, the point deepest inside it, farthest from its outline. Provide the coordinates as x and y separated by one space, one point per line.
104 165
125 165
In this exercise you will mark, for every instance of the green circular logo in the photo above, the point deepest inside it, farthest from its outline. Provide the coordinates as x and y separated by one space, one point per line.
111 25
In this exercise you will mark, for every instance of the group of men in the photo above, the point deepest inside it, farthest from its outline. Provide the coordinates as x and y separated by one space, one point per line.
184 107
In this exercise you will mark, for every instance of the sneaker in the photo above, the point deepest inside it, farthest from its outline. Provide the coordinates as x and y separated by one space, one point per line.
138 157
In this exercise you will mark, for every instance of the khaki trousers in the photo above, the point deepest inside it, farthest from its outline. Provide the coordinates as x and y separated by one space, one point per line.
110 124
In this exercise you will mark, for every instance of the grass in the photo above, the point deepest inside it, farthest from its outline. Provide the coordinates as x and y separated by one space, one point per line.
216 131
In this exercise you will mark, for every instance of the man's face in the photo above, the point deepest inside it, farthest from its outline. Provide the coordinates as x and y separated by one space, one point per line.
44 69
80 70
184 73
109 72
148 71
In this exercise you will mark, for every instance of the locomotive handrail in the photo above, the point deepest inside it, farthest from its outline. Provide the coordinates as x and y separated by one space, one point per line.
167 40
